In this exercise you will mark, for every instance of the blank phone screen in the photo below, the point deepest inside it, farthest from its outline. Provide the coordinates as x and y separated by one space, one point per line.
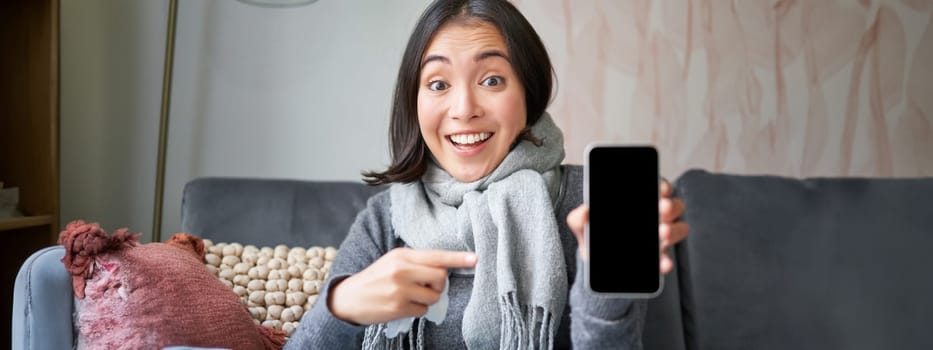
623 222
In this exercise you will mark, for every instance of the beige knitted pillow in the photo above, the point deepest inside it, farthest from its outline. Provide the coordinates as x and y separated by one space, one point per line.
278 285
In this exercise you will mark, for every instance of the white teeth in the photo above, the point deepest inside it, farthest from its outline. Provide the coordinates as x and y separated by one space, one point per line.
468 139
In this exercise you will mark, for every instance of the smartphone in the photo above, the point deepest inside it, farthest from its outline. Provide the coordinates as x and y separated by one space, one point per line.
621 187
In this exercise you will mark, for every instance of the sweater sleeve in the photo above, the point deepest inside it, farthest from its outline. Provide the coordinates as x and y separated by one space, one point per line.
368 239
600 322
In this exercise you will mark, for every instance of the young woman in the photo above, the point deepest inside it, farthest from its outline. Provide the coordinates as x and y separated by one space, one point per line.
480 210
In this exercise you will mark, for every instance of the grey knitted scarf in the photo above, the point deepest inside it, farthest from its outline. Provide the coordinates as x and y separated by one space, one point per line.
507 218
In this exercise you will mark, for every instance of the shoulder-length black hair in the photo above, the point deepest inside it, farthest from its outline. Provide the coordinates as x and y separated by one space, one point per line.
528 57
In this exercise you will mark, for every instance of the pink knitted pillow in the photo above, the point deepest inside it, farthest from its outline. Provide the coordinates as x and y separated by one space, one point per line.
136 296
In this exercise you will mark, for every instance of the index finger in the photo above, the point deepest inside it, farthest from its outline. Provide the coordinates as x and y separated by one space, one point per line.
665 188
442 258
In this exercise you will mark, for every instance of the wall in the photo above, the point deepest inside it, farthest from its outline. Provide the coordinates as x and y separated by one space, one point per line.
265 92
111 82
283 92
797 88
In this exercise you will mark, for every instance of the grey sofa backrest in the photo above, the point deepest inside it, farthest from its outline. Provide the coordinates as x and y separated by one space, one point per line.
771 262
778 263
269 212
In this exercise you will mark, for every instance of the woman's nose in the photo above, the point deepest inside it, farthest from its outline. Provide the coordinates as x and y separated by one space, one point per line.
464 104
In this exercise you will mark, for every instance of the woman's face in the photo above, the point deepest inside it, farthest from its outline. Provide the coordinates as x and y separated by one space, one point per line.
471 105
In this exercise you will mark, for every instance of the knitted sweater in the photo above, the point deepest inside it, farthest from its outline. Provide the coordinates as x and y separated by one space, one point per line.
589 322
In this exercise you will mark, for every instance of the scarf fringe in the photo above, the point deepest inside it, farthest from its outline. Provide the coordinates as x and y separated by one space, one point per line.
374 338
522 327
525 327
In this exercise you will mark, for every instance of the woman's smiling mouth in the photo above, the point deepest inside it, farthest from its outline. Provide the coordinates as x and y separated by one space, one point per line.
467 141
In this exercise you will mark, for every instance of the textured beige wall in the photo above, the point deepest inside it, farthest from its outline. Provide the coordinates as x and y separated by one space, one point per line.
797 88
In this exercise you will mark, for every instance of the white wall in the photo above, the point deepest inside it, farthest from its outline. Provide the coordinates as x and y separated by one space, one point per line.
111 71
263 92
269 92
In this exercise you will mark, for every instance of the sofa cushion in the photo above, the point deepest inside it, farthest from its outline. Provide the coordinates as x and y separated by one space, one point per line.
269 212
781 263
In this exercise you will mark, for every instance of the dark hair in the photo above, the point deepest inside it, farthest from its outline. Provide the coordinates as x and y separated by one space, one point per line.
526 52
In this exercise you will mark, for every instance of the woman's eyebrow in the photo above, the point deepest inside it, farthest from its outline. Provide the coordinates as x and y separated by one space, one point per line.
432 58
491 53
479 57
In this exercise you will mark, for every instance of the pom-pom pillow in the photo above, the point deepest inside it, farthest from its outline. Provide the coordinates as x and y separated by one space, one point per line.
149 296
277 284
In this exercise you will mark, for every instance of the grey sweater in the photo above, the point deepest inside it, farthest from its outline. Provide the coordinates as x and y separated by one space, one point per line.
590 321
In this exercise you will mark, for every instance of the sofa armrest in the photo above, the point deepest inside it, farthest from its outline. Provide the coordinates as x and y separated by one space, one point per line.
43 303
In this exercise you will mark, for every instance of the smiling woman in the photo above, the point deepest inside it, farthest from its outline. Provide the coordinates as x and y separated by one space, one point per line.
471 105
513 47
468 246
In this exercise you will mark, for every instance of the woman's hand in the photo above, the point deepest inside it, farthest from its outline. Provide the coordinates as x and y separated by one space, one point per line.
401 283
670 231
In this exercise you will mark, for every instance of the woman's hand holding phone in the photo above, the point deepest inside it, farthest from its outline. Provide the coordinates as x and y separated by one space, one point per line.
670 231
616 245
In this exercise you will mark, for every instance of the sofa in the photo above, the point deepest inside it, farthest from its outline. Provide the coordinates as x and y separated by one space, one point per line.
771 262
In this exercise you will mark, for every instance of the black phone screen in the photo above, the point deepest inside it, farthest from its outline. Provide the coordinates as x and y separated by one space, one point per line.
622 193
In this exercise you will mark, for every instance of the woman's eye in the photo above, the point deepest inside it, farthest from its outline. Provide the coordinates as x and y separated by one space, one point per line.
437 85
493 81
